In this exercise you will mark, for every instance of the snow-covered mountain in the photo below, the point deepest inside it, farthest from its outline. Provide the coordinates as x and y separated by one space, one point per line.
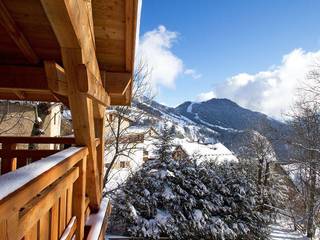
215 120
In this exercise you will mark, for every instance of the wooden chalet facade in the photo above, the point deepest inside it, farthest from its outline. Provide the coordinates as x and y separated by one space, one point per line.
80 53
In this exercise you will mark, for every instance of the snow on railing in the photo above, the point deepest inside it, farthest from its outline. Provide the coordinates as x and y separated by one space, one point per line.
13 181
48 192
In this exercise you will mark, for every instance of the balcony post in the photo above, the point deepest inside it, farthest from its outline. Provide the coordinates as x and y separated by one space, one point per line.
8 164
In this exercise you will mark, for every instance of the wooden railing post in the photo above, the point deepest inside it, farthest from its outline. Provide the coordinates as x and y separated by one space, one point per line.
78 199
8 164
99 123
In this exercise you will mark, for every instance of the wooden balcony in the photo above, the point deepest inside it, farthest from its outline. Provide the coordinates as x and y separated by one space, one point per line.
43 192
80 53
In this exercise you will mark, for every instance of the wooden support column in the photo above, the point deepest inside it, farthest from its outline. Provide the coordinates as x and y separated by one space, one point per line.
8 164
83 123
70 21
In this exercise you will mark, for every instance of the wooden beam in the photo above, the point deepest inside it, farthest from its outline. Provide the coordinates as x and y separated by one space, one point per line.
119 87
22 78
55 74
123 100
83 123
90 17
71 24
89 85
130 34
99 123
33 83
116 83
16 35
43 95
131 8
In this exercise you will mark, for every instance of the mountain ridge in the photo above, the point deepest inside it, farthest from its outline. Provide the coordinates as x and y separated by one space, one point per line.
220 120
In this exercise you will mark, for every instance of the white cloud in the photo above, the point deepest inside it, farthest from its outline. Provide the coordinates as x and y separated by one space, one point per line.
155 50
274 90
193 73
205 96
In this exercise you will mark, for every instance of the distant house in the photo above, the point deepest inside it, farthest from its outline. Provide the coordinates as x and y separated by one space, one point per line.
114 119
179 153
183 149
134 144
18 118
133 140
203 152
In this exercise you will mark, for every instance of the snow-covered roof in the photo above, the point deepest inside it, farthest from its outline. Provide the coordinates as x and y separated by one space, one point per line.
215 151
139 130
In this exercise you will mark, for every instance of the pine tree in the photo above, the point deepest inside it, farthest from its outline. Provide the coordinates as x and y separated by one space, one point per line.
183 200
164 143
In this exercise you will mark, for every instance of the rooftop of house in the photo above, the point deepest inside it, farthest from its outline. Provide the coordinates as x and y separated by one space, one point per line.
203 152
140 130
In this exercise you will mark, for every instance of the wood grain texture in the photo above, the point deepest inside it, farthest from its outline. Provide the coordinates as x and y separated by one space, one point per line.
16 35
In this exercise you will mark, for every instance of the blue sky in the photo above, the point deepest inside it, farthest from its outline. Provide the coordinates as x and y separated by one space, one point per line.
214 42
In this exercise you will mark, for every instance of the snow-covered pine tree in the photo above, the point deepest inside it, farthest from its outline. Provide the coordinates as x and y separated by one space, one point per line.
164 143
183 200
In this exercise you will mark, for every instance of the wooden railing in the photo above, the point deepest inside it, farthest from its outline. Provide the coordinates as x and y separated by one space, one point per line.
15 153
46 199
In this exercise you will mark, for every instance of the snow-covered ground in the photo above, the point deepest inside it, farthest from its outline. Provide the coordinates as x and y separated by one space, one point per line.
282 232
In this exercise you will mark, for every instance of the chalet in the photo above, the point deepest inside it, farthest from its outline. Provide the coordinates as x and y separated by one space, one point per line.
203 152
135 140
184 149
79 53
133 144
115 120
179 153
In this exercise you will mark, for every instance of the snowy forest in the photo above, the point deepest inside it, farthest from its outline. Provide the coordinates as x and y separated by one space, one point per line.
195 198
